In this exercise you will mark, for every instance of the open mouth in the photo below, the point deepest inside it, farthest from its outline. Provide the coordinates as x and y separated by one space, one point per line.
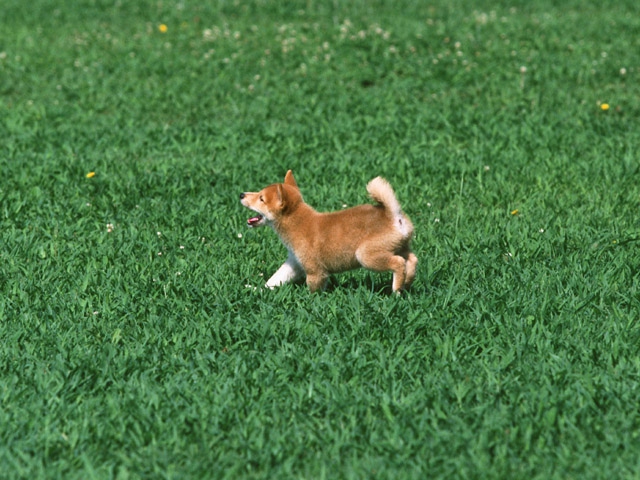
255 221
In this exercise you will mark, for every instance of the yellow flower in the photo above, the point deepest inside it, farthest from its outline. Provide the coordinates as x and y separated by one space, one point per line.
515 212
604 106
91 174
163 28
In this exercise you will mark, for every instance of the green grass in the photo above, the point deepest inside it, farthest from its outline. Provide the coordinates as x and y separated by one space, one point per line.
143 350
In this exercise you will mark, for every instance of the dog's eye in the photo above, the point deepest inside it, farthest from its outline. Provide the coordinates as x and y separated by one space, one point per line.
261 199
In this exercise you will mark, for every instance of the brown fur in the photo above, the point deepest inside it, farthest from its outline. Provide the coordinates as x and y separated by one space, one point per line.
376 237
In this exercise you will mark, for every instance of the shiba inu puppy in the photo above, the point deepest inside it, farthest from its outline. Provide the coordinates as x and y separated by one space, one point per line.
376 237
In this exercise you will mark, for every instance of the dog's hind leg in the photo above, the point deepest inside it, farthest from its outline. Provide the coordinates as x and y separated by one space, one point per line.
290 271
382 261
412 263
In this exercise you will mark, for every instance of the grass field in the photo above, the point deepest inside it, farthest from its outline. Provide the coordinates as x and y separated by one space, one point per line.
135 338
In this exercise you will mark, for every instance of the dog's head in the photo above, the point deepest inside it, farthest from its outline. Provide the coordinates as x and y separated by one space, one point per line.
272 202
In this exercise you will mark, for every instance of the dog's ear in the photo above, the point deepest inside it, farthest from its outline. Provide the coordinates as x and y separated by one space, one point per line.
281 194
289 180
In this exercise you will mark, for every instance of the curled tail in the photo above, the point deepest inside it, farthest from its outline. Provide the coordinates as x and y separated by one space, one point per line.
380 190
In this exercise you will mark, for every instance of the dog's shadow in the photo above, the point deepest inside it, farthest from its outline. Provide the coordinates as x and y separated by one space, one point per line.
352 283
372 284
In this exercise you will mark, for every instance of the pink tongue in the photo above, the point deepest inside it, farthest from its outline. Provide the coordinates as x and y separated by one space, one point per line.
254 220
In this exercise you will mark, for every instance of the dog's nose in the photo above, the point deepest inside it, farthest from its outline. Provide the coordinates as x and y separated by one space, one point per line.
241 196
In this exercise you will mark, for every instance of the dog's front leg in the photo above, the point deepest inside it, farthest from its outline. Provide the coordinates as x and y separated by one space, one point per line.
290 271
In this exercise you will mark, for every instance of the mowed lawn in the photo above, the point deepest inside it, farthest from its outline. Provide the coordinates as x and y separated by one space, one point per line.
136 339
